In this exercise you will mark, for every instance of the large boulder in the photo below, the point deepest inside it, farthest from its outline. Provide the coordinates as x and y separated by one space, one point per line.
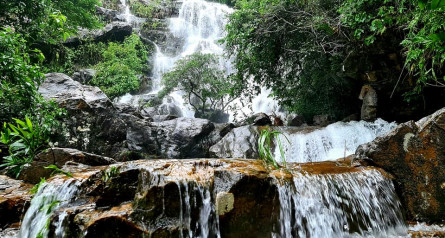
181 137
84 75
71 94
94 124
415 154
241 142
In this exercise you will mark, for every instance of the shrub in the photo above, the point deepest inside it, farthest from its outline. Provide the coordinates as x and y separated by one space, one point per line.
295 48
121 67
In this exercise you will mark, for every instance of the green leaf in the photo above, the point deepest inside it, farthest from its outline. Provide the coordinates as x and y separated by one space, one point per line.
435 4
422 4
437 37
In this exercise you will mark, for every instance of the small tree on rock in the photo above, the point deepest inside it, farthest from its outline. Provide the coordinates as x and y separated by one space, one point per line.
205 86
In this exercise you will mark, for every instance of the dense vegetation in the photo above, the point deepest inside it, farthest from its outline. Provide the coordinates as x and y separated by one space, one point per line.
122 67
314 54
28 28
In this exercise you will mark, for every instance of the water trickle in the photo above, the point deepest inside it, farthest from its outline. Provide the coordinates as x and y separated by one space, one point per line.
197 197
332 142
49 198
358 204
130 18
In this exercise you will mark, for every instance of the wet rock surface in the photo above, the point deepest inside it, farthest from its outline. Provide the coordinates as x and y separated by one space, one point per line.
415 154
14 200
59 157
167 198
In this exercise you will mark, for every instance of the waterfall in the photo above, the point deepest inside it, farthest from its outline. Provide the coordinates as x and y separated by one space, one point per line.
356 204
48 198
331 142
197 197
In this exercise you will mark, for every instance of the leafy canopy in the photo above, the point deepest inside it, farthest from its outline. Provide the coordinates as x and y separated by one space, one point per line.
293 47
418 25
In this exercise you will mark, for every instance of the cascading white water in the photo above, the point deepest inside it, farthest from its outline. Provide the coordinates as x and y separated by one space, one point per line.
200 25
49 197
355 204
331 142
207 224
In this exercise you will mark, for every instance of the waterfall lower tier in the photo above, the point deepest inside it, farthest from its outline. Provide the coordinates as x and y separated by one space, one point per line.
48 199
332 142
217 198
353 204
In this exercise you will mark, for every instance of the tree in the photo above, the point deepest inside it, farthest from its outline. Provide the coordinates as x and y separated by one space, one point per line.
297 49
206 87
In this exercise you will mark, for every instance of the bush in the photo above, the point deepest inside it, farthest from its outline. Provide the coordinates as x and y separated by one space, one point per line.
25 139
122 66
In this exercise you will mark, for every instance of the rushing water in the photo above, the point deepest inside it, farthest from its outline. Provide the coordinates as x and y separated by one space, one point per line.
191 197
331 142
48 199
199 27
340 205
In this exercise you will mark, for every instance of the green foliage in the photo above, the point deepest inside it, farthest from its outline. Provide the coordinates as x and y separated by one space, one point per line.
145 10
27 138
417 25
121 67
204 83
265 147
19 77
48 21
296 48
36 187
68 60
24 140
110 173
57 170
48 208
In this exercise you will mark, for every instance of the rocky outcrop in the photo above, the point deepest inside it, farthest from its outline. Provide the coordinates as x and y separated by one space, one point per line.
114 31
33 172
415 154
84 76
108 14
369 105
95 125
